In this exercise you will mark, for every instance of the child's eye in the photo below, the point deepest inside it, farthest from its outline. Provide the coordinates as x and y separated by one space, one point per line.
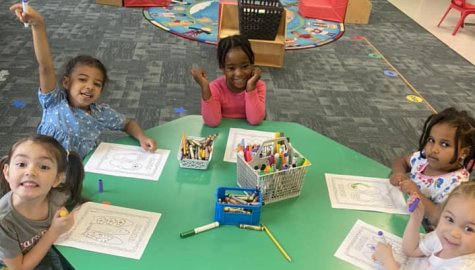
469 229
98 85
20 164
444 144
449 219
82 79
430 140
44 167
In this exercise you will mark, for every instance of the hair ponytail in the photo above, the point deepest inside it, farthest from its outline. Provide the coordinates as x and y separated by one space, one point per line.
4 186
74 177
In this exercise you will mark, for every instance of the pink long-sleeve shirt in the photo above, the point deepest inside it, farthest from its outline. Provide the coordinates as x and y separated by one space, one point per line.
224 103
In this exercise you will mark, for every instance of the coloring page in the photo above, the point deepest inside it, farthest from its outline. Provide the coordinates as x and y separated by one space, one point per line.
249 137
365 193
360 243
111 230
127 161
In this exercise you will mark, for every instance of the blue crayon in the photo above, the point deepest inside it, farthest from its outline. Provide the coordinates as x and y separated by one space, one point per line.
413 205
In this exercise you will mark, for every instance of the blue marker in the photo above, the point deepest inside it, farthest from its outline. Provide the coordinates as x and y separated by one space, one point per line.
24 4
381 237
413 205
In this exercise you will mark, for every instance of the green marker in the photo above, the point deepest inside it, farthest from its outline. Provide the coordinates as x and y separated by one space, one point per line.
199 229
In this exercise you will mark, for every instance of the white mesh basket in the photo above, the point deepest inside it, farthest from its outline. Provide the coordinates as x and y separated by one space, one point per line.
193 163
274 186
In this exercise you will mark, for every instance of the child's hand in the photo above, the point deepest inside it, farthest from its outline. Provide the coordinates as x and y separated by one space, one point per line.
148 144
61 222
419 210
396 178
252 82
408 186
32 16
199 75
384 254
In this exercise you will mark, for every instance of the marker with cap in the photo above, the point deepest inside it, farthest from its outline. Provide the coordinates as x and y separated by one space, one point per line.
24 4
100 186
382 239
414 204
199 229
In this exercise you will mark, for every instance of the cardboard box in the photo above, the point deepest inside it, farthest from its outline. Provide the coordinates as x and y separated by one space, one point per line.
117 3
358 11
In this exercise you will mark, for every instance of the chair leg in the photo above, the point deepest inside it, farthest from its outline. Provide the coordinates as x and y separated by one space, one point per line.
445 15
459 23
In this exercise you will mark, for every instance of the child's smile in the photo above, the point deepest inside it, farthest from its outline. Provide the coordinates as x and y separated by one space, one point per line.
237 70
456 228
84 86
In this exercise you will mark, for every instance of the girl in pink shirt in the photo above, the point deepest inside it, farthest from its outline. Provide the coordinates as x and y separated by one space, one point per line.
239 93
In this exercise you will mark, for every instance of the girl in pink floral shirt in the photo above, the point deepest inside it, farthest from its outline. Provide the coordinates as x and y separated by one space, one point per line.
443 161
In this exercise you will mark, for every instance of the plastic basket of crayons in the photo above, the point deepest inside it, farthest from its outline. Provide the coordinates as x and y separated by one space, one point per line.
236 205
196 152
275 168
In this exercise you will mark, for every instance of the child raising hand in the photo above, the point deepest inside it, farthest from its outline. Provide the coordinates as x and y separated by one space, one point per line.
239 93
38 178
70 112
450 246
443 161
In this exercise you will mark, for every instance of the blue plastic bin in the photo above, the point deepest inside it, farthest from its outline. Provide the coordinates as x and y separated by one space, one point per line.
234 214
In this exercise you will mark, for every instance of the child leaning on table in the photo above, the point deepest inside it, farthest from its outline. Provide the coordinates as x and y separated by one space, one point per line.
239 93
70 112
443 161
451 245
39 177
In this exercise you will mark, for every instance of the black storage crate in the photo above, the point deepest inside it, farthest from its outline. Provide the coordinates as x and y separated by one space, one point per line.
259 19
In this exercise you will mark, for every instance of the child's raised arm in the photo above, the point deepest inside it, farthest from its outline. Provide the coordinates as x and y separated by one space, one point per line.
400 167
33 257
40 43
410 239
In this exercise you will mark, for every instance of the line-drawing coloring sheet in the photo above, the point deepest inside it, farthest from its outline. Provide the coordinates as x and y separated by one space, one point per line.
250 137
365 193
127 161
111 230
360 243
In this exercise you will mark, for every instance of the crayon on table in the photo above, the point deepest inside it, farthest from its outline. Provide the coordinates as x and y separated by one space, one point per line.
276 243
199 229
251 227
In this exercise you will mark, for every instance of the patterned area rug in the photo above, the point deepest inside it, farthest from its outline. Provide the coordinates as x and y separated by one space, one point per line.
198 20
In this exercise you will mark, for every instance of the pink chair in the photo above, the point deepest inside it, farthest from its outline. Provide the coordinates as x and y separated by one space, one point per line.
329 10
465 10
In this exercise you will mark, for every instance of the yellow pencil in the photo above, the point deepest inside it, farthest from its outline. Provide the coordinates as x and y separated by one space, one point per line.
276 243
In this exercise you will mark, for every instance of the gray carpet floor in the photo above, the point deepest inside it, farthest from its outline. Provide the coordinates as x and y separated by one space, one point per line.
336 90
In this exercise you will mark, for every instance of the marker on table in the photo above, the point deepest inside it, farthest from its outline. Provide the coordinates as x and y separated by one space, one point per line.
381 237
277 243
100 186
414 204
199 229
251 227
24 4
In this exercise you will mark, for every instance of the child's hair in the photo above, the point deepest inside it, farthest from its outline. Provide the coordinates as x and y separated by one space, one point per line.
230 42
85 60
69 163
466 189
464 135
